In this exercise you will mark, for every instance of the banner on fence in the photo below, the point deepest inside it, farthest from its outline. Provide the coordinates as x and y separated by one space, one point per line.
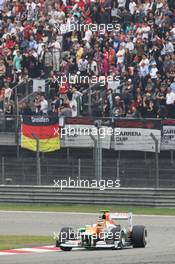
43 128
136 135
168 135
82 132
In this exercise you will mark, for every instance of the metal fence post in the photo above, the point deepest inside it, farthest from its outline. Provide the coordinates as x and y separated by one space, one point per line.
99 157
72 168
38 163
118 170
98 152
67 153
17 130
119 155
95 155
79 169
156 158
17 124
172 156
3 170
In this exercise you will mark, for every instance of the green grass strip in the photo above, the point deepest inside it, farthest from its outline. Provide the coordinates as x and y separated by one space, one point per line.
21 241
86 208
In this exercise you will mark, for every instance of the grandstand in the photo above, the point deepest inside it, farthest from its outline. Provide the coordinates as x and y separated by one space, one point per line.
138 55
89 60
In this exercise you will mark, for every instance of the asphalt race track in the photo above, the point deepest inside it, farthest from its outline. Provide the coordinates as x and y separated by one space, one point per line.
160 248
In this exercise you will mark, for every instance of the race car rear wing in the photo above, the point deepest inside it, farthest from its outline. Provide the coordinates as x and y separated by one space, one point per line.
122 216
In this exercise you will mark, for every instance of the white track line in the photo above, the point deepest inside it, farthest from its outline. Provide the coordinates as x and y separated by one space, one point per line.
6 254
19 251
35 250
23 251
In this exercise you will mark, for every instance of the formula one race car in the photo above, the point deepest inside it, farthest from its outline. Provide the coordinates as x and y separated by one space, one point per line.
106 233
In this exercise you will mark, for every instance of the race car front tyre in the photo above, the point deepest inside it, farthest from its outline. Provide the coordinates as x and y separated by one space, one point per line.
66 233
139 236
65 248
57 243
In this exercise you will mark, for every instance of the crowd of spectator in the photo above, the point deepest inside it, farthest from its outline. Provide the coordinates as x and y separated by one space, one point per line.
73 44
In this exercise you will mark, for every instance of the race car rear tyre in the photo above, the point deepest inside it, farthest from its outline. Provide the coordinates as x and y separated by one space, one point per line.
66 233
139 236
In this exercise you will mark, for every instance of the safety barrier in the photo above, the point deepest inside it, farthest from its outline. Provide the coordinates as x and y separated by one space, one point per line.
121 196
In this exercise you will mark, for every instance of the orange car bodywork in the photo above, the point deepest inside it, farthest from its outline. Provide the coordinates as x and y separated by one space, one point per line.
100 225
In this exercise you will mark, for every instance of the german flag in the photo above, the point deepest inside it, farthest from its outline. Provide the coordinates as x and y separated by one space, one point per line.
43 128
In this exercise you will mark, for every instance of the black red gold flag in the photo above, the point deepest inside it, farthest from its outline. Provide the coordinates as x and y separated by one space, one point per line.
44 128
